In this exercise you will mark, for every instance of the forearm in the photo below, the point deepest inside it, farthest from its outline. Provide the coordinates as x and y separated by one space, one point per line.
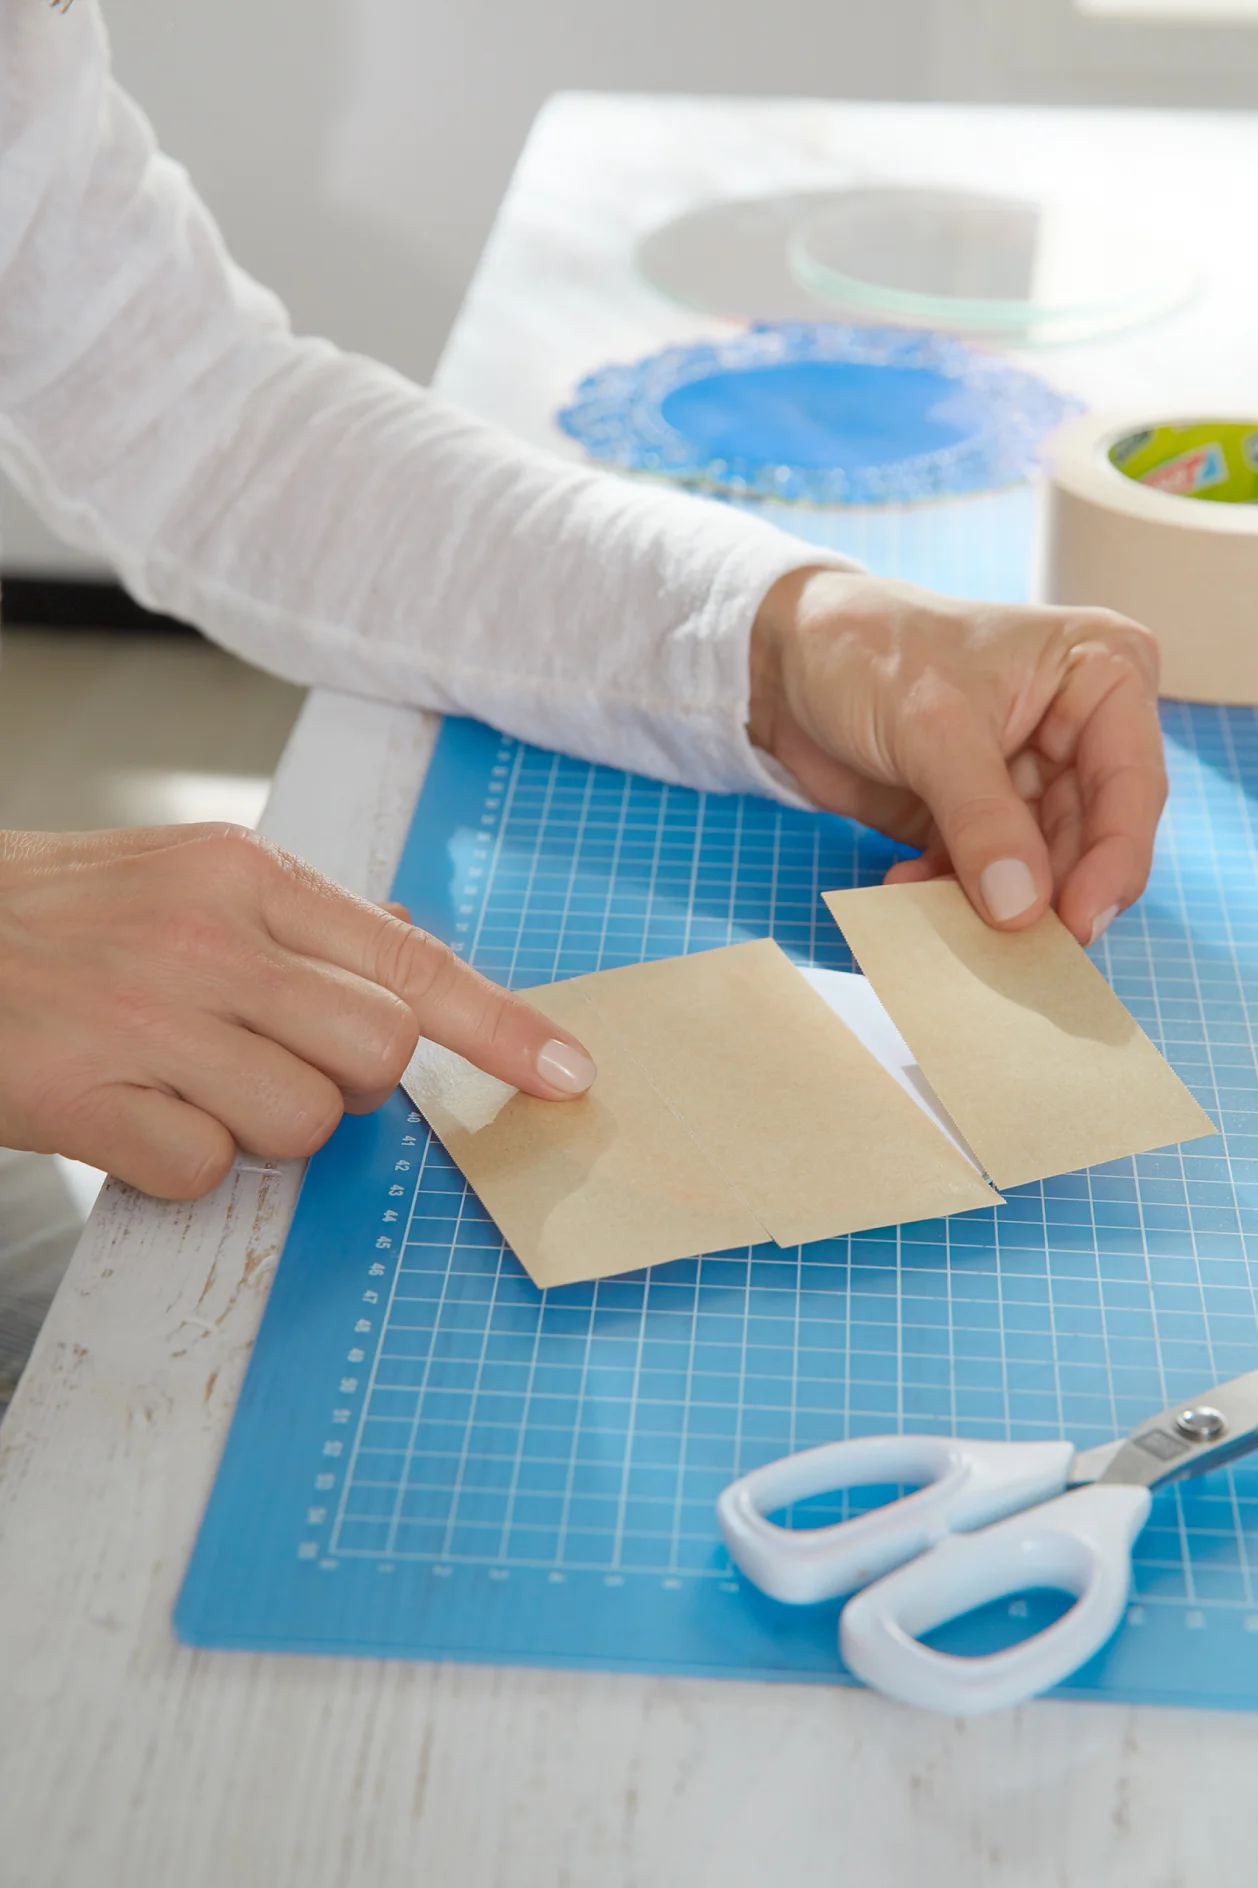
358 533
321 515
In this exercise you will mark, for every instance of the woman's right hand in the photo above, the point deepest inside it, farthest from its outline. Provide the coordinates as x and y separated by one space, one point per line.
1019 747
172 993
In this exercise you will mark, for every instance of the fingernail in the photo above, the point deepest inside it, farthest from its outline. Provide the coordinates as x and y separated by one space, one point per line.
1008 888
1102 923
565 1067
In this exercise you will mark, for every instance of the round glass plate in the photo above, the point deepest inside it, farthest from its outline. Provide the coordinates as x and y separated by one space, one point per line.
1007 268
820 414
731 258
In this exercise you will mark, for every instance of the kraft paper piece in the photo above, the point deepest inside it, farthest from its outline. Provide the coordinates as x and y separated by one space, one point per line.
1039 1064
585 1188
731 1105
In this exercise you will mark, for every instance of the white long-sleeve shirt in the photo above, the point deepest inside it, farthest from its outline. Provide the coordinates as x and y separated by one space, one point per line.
316 512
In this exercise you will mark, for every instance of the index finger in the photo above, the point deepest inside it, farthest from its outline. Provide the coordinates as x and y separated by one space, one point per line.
453 1004
1107 713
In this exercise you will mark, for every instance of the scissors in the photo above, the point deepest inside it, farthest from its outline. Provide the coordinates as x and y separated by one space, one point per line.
984 1521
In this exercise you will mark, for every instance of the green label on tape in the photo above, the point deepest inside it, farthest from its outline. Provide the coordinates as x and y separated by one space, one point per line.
1216 459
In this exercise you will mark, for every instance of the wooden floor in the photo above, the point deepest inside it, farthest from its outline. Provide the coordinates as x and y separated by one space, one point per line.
99 730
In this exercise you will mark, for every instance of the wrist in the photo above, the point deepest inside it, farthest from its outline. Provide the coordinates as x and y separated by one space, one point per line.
776 617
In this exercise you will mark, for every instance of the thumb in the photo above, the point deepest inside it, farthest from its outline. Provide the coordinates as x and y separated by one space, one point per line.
989 832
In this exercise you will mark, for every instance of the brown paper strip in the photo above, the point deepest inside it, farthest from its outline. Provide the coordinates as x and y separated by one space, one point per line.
1040 1065
731 1105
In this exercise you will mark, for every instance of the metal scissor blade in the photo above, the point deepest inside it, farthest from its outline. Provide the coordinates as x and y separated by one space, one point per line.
1090 1464
1189 1438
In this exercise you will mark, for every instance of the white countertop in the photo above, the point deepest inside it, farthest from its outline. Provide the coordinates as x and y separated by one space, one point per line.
126 1759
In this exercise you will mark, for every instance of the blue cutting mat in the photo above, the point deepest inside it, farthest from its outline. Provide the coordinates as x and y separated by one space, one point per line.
433 1459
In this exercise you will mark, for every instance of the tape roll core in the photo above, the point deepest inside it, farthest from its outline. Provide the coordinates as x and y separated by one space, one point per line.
1158 518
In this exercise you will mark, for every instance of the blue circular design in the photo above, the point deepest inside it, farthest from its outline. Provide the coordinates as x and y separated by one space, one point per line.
820 413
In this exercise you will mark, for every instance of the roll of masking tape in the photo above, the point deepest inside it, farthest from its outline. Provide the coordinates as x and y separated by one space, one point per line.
1158 518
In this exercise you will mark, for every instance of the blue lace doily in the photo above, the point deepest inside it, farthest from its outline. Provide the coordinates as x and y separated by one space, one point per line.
820 413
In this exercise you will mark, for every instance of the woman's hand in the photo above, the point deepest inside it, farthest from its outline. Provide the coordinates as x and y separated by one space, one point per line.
170 994
1018 748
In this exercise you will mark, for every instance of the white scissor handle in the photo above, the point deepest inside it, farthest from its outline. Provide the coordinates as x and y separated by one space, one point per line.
1080 1543
966 1484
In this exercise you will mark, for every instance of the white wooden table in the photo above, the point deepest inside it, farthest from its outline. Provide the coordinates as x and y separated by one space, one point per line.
128 1760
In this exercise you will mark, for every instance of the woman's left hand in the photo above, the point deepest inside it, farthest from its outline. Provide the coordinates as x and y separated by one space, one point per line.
1018 748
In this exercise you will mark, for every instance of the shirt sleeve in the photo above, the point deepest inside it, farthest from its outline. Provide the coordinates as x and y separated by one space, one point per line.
315 512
